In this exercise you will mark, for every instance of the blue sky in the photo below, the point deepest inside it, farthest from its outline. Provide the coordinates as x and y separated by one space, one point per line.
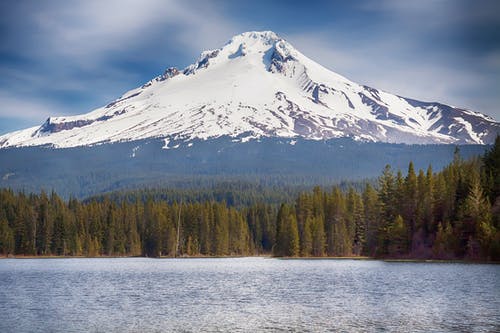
68 57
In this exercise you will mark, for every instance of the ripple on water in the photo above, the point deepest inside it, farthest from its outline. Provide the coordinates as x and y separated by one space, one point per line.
246 295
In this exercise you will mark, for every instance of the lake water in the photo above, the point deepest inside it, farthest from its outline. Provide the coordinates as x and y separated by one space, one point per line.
246 295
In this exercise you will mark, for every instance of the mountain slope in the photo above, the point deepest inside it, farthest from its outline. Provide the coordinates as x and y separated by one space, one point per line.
258 85
273 162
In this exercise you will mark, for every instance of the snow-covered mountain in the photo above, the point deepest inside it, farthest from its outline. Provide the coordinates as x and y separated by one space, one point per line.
258 85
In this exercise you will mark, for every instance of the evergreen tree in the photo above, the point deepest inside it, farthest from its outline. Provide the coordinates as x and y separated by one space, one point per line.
6 238
318 236
409 199
387 194
307 237
221 232
372 219
491 178
398 243
336 231
442 215
444 245
287 235
359 225
477 231
427 202
341 241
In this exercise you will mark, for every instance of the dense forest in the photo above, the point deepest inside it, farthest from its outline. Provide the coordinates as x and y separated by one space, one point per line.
451 214
82 172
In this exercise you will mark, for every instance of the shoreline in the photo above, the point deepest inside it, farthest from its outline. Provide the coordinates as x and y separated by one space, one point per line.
266 256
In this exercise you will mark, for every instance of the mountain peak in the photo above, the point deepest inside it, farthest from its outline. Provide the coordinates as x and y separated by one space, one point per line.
257 41
268 37
265 46
259 85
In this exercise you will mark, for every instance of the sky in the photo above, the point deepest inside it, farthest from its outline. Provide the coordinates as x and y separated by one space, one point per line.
67 57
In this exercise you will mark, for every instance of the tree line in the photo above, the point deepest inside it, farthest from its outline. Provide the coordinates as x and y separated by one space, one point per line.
451 214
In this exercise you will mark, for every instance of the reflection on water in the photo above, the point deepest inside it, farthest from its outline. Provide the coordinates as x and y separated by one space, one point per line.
246 295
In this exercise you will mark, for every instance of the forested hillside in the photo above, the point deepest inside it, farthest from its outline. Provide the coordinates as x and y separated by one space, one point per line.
270 162
452 214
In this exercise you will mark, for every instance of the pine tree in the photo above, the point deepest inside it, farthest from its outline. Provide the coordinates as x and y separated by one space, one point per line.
221 232
359 226
304 210
287 235
491 167
307 237
205 229
335 213
342 242
6 238
45 225
387 194
477 226
444 244
372 219
293 247
318 236
389 189
428 202
398 242
109 238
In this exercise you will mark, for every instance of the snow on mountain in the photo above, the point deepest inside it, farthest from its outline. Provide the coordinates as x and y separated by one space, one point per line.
258 85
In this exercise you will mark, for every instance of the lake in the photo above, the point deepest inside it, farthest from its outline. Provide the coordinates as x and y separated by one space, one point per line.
246 295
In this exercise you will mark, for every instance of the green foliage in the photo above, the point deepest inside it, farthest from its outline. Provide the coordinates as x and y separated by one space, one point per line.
442 215
491 171
398 241
445 242
287 234
6 238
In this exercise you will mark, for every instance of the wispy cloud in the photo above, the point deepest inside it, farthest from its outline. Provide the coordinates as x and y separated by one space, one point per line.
82 48
420 49
32 109
67 57
421 77
90 31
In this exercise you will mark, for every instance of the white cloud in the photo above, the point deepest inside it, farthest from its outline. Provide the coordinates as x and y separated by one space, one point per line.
88 31
77 47
81 43
36 110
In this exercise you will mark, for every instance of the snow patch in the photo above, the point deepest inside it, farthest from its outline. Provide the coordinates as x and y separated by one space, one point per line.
165 145
134 150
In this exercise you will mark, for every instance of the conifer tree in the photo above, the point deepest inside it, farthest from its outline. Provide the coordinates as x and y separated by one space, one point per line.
410 198
221 231
287 236
476 222
359 226
6 238
318 236
335 214
491 162
428 202
398 243
341 241
307 237
444 245
372 219
387 193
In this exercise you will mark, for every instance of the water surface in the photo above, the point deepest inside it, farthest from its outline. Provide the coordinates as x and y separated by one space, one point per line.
246 295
